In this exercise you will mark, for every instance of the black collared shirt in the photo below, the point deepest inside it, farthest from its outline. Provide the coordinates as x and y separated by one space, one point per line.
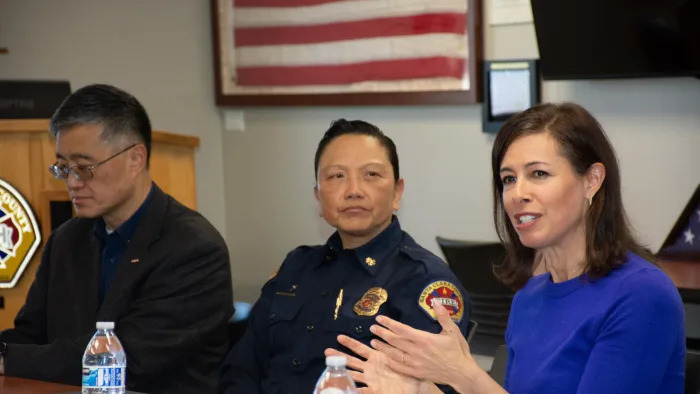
301 310
115 243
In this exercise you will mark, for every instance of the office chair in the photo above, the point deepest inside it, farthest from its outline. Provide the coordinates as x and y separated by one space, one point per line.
692 372
472 263
471 330
238 322
498 367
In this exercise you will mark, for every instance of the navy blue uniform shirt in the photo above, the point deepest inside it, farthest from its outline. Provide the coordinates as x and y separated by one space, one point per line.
322 291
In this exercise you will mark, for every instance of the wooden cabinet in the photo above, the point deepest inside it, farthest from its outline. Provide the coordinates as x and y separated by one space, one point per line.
27 150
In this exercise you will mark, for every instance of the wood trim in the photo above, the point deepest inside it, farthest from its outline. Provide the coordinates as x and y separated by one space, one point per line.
42 126
24 125
463 97
175 139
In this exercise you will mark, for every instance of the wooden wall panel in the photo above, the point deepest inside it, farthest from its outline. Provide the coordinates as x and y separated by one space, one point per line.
18 166
172 168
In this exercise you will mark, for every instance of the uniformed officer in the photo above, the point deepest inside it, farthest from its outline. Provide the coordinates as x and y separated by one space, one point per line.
369 266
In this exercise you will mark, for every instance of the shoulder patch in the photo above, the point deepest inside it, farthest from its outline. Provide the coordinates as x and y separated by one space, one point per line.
446 293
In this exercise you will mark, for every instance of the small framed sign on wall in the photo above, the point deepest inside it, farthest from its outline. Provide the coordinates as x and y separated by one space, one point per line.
510 86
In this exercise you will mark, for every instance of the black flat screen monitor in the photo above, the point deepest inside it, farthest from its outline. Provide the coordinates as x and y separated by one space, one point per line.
593 39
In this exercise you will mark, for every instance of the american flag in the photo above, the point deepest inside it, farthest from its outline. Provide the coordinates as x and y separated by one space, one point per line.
278 46
688 239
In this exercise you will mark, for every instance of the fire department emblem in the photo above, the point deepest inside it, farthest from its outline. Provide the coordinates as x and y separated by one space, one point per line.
447 294
19 235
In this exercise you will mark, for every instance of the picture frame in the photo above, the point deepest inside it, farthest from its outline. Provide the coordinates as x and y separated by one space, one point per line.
229 45
674 247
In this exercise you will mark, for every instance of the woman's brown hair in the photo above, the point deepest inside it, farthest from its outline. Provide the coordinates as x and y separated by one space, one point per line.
582 141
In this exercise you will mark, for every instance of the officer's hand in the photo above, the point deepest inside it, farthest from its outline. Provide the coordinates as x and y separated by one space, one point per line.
374 372
433 357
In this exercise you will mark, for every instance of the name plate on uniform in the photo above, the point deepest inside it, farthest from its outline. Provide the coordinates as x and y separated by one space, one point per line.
31 99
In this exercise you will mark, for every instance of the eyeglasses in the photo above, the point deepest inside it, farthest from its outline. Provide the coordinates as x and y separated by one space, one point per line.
81 172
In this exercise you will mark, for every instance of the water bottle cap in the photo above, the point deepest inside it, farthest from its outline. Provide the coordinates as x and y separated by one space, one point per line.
105 325
336 361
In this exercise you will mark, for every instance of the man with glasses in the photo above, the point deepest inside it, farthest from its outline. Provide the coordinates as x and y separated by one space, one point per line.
134 255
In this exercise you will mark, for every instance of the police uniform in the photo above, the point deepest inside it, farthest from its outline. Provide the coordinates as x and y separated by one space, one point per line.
323 291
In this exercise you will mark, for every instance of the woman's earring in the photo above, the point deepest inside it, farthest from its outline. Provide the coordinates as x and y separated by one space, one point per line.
590 201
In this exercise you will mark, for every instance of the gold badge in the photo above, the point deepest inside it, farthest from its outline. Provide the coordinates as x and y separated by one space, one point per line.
369 304
370 261
445 293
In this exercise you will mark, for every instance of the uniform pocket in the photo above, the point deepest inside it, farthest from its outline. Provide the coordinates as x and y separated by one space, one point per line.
283 315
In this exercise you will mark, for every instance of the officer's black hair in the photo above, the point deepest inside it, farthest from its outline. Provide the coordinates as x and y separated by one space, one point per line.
341 127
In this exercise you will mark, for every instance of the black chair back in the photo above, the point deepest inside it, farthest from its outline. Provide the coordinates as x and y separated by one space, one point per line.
471 330
692 372
472 263
498 368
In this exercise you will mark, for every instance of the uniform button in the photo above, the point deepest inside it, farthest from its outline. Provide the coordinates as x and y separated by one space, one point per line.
328 257
358 329
324 294
310 327
293 288
272 316
296 362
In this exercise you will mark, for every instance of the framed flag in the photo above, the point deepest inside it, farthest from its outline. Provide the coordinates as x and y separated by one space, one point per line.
683 242
346 52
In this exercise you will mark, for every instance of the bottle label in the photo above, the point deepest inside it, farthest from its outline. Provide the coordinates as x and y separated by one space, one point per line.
95 377
332 390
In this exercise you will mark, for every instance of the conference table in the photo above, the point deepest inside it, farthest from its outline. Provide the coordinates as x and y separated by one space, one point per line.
10 385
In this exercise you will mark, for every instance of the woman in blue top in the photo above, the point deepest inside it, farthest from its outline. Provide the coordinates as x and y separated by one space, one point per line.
592 313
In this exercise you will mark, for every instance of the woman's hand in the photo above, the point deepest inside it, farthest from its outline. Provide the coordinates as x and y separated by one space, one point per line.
439 358
374 372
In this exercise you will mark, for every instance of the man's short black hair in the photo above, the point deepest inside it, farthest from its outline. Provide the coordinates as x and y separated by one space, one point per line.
341 127
118 111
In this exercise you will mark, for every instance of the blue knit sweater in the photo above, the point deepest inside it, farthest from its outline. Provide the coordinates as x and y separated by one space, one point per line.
623 333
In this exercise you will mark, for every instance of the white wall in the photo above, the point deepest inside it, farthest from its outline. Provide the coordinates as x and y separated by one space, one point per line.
158 50
257 184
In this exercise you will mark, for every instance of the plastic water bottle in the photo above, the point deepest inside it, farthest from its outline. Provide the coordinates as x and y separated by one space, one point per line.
104 362
335 379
